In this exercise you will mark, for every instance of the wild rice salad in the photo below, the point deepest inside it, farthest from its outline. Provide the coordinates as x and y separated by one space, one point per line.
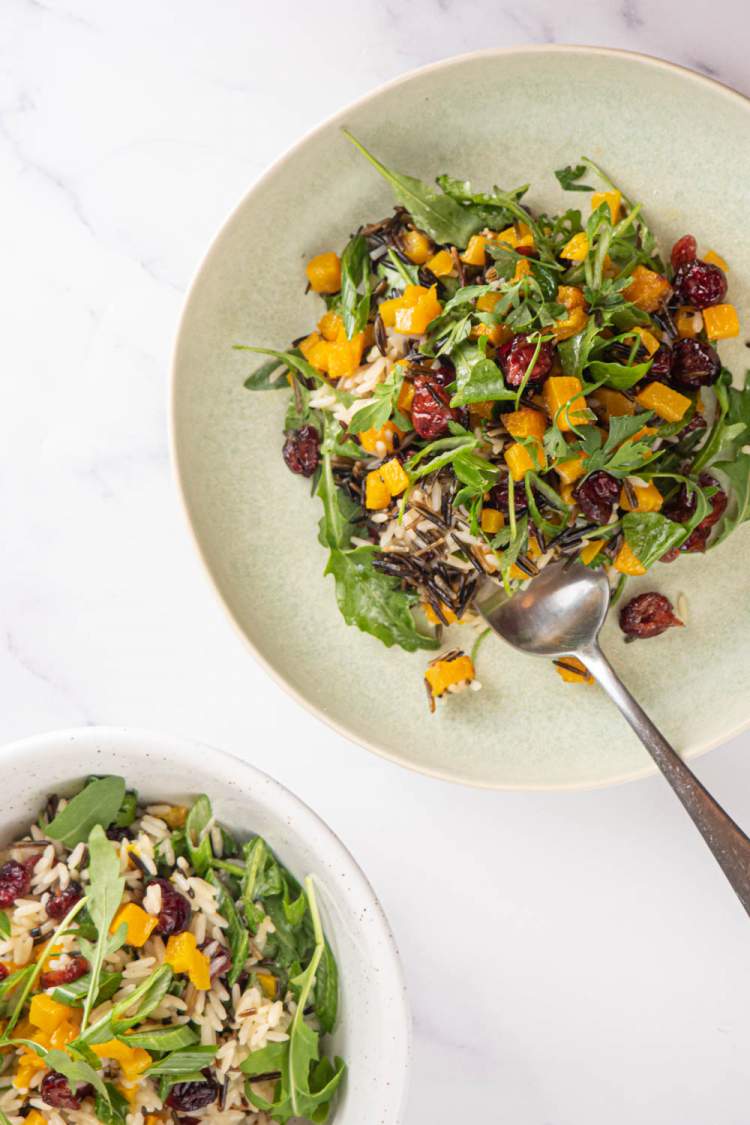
490 388
153 970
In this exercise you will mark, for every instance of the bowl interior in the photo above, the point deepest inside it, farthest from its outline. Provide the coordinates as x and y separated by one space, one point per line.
668 137
373 1027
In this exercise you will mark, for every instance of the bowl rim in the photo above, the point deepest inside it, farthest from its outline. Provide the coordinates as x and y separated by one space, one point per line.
178 475
289 808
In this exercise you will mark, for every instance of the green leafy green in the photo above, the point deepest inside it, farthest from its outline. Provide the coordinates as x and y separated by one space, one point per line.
618 375
127 810
77 1072
112 1109
297 362
737 473
105 894
266 377
650 535
373 601
569 177
434 212
237 935
385 396
197 834
355 285
98 803
184 1061
4 924
74 994
478 379
162 1038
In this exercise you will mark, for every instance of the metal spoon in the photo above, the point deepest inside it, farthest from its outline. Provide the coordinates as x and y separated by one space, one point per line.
560 613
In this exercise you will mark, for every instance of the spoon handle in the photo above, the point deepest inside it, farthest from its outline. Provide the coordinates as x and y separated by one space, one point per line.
729 844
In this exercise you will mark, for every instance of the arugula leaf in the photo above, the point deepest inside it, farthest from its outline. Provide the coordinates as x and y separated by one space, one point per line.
478 378
114 1109
265 377
326 995
650 535
98 803
184 1061
376 413
266 1060
74 994
105 894
574 352
398 274
737 473
569 176
491 209
618 375
437 214
4 924
297 362
355 285
77 1072
162 1038
255 858
336 525
237 935
373 601
197 835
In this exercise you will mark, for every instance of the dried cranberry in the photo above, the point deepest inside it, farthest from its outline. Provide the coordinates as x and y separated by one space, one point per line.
76 968
59 905
681 506
15 880
515 359
684 251
661 363
694 364
597 496
4 971
718 501
499 496
430 408
301 451
56 1091
186 1097
647 615
700 284
444 374
697 422
175 913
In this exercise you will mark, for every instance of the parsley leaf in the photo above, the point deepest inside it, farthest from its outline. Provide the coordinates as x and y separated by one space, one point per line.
570 175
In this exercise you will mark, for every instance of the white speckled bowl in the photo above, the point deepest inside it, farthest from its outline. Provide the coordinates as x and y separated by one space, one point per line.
677 141
373 1032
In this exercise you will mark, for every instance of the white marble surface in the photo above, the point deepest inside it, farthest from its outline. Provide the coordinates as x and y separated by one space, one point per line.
571 959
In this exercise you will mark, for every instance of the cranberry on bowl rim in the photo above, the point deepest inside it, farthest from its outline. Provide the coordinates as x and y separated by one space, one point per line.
490 388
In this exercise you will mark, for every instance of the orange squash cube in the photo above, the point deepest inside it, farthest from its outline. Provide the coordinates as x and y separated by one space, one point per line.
571 297
444 674
432 617
525 423
668 404
492 521
377 495
647 290
688 322
570 325
522 459
515 236
405 397
571 470
47 1014
370 439
591 550
576 249
627 563
324 272
395 477
487 301
564 401
575 673
331 326
716 260
648 498
613 199
649 341
614 404
138 923
721 322
441 264
473 255
417 246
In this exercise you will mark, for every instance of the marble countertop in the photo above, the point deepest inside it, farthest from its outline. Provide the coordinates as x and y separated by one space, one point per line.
570 959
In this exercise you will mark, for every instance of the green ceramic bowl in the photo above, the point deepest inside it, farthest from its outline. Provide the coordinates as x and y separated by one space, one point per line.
673 139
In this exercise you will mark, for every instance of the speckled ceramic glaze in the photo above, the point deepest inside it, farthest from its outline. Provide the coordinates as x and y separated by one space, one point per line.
373 1032
671 138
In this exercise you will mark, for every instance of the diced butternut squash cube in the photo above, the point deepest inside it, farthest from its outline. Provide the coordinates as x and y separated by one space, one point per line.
388 309
405 397
324 272
331 326
523 269
138 923
613 199
516 236
372 438
564 401
492 521
647 290
345 356
480 411
649 341
307 345
591 550
318 354
473 255
443 674
668 404
417 246
522 459
571 470
570 669
721 322
377 495
576 249
431 616
441 264
414 311
183 955
571 297
716 260
34 1118
487 301
648 498
525 423
395 477
570 325
567 493
614 404
46 1014
627 563
497 334
688 322
133 1061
